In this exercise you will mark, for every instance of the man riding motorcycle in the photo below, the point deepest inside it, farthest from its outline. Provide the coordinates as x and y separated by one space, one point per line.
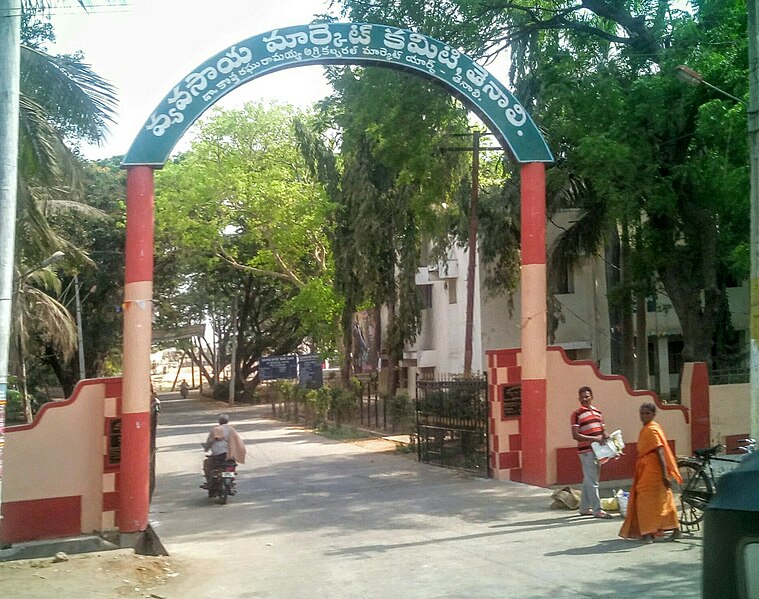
224 443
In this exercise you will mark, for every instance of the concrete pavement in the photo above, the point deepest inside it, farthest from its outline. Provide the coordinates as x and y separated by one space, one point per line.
322 519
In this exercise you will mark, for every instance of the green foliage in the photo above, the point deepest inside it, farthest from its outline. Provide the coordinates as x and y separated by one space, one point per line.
61 101
394 178
454 402
343 404
318 402
14 408
342 433
401 412
101 235
241 205
636 149
221 393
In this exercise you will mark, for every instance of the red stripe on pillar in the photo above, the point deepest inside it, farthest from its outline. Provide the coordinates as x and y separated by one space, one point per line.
533 430
134 476
139 228
533 190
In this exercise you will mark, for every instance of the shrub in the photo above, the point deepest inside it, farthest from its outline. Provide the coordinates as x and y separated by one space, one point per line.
342 405
318 404
221 393
14 410
401 411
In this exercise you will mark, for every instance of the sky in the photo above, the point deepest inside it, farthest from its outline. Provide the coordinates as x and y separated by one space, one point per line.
147 47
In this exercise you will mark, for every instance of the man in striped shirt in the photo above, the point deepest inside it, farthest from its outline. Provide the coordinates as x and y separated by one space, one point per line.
587 427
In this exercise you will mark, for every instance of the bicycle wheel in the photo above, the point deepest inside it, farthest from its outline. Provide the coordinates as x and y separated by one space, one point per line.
694 494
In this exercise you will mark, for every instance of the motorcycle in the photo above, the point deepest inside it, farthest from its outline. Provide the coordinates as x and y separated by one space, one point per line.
184 390
222 480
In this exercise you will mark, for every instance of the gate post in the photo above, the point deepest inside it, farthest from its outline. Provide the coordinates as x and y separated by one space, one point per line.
534 327
134 487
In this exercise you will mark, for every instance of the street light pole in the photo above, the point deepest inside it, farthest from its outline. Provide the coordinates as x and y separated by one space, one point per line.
691 77
10 67
233 357
753 140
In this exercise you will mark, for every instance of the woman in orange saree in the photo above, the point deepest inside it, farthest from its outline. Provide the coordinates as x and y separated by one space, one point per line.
651 507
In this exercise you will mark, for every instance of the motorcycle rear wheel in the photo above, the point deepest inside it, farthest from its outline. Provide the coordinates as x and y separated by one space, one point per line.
223 493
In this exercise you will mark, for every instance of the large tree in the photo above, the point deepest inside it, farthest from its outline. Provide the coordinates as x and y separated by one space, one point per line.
242 201
101 278
394 180
640 154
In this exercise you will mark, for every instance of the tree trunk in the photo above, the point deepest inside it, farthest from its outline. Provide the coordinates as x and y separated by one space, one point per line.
685 277
66 378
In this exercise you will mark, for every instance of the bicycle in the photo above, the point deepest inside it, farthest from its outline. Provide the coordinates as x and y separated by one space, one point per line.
700 474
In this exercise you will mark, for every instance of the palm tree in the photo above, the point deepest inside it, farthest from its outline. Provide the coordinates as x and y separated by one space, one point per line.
61 99
34 295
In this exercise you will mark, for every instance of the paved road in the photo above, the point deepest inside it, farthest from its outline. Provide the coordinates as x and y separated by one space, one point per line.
321 519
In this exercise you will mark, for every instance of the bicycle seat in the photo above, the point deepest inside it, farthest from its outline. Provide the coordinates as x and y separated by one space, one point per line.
709 452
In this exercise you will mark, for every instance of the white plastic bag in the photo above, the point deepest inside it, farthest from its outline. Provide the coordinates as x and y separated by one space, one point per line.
611 449
622 499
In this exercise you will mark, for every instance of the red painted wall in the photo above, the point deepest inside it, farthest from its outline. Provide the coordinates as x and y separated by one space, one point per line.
41 519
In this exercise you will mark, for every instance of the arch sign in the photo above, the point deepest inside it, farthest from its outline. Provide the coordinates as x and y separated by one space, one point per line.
338 43
332 43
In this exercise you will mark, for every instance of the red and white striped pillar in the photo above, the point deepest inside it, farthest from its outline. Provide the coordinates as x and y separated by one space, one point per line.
534 325
134 474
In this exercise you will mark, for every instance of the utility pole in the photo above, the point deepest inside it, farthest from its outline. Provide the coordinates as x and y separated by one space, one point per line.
80 334
753 137
10 49
472 266
233 357
472 240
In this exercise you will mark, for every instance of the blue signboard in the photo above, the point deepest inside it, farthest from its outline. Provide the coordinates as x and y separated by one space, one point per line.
271 368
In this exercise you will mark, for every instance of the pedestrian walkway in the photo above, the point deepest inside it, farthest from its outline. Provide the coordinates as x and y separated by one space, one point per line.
323 519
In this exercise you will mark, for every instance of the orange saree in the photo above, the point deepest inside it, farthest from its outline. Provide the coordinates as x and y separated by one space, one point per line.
651 507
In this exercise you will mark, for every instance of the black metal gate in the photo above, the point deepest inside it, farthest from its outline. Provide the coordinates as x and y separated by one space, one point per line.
452 423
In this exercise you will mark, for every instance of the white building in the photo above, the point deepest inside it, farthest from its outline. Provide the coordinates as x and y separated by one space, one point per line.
585 332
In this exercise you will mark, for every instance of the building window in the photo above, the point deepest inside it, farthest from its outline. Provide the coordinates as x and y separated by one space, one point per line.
425 292
427 373
651 303
675 351
565 281
451 286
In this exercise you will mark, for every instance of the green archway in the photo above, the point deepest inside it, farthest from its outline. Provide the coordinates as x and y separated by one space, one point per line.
333 43
337 43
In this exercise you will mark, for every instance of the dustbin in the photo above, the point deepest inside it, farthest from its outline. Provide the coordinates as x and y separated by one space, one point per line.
731 535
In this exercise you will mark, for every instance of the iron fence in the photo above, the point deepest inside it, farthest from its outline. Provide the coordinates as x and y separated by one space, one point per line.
729 376
452 422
